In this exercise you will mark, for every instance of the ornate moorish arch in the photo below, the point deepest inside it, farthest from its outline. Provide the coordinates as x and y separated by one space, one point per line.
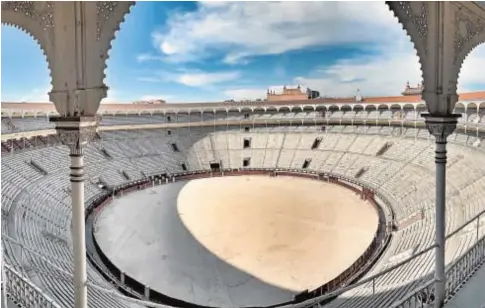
443 34
469 31
75 38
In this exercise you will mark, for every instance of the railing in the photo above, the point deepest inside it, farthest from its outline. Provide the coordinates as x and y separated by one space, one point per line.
25 293
422 297
461 269
457 272
67 277
372 283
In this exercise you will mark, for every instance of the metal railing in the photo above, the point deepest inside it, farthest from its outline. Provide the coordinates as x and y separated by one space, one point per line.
457 272
461 269
422 297
25 293
372 283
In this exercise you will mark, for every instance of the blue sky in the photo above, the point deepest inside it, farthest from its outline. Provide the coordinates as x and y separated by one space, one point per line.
206 51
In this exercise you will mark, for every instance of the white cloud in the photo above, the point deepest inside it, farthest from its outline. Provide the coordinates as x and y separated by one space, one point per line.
245 94
149 79
382 74
240 30
201 79
244 29
36 95
471 74
144 57
387 73
115 96
110 97
193 78
39 95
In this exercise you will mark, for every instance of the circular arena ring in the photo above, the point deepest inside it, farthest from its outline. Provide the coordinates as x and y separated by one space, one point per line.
395 163
184 202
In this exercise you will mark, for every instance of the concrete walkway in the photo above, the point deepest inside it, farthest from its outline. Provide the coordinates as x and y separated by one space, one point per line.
9 302
472 295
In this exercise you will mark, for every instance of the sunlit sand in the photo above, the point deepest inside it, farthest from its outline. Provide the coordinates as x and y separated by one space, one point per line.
290 232
236 241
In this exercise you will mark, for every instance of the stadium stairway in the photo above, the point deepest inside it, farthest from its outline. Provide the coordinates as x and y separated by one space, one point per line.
471 295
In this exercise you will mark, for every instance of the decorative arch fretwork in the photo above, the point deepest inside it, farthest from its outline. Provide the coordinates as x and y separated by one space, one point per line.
443 34
469 31
413 17
109 17
75 37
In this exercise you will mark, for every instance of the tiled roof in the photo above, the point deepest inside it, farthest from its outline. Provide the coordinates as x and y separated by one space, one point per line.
48 107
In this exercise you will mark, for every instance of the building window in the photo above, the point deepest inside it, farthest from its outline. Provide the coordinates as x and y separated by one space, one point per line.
247 143
184 166
175 148
246 162
169 118
169 132
306 163
246 129
316 143
246 115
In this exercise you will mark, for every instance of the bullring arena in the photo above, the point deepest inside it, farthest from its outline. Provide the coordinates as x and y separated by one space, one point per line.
236 241
417 159
209 209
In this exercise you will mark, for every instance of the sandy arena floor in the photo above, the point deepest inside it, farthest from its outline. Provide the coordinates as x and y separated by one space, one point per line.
236 241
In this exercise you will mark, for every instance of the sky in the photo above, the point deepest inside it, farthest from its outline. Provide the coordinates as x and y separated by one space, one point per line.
214 51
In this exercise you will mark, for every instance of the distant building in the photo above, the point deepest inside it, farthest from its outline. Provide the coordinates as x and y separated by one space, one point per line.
313 94
413 90
287 95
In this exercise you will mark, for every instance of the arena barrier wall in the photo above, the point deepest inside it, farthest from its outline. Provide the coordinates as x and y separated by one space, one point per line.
132 287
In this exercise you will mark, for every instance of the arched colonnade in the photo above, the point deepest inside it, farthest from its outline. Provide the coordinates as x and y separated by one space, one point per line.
76 37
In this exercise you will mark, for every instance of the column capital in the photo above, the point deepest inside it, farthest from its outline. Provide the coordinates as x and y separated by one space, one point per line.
78 102
441 104
441 126
76 132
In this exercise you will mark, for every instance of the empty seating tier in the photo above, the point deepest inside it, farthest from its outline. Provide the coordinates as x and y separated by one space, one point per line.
36 206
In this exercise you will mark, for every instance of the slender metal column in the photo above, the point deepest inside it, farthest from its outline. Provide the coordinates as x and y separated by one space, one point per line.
4 281
440 127
78 226
76 132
